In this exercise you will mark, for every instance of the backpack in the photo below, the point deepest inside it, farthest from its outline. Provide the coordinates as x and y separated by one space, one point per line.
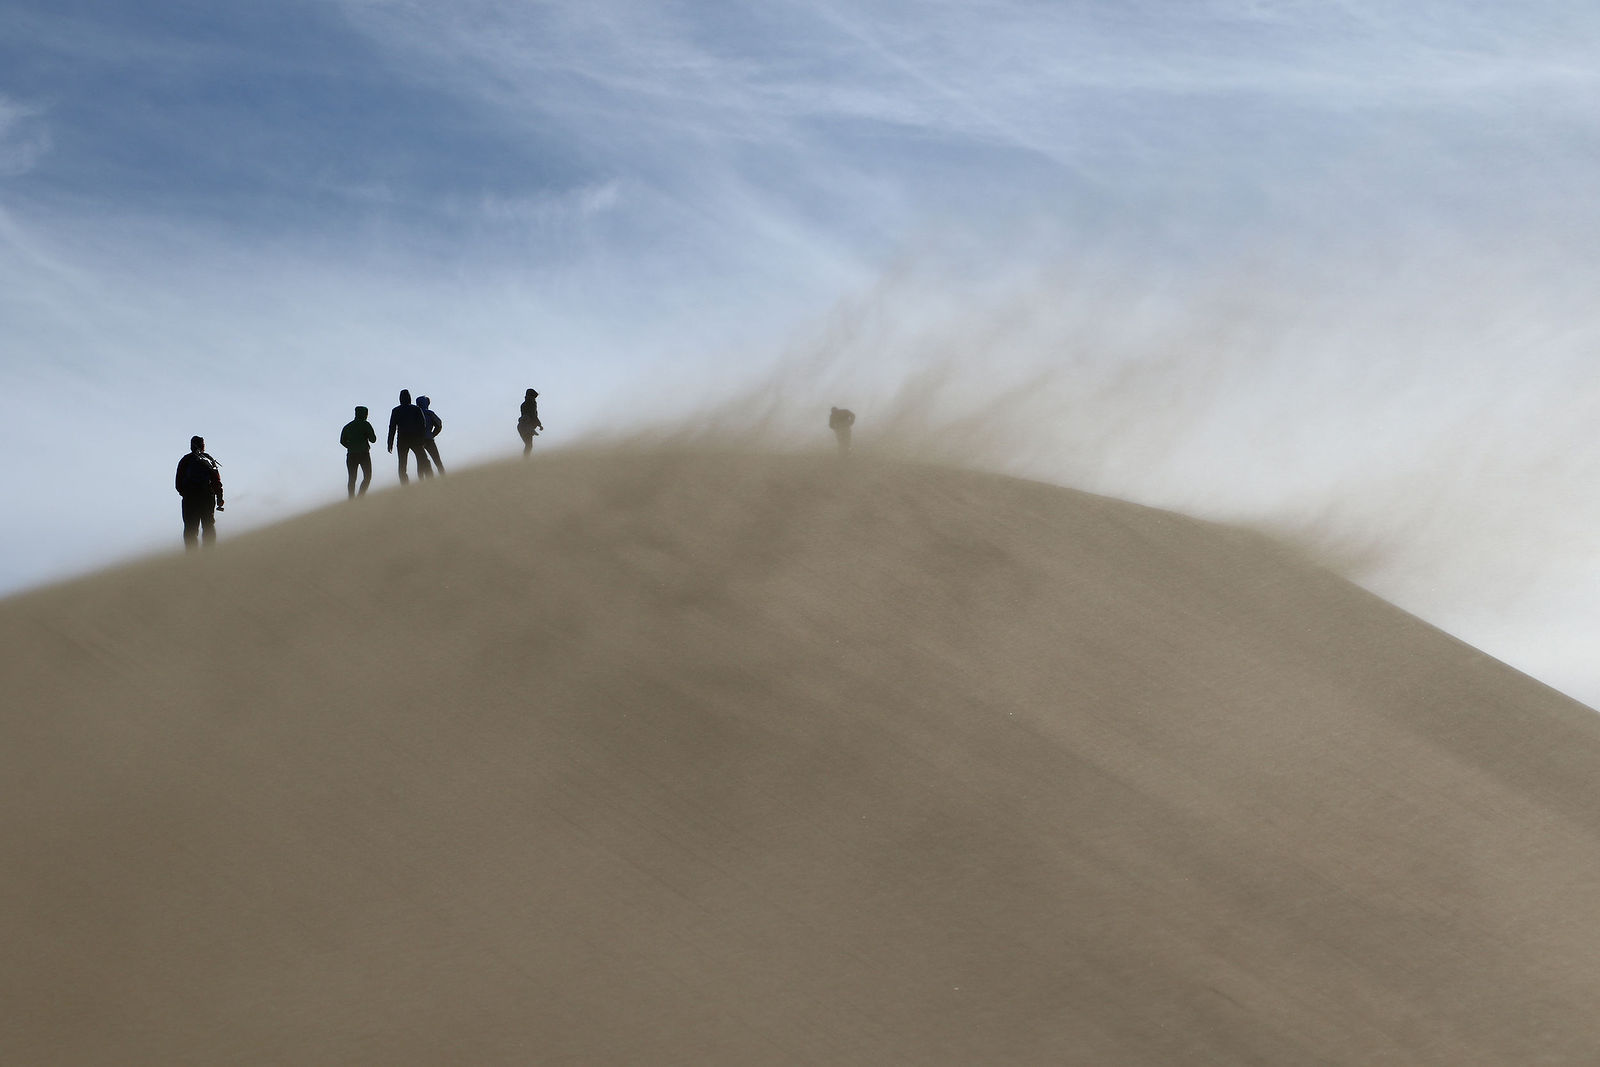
201 475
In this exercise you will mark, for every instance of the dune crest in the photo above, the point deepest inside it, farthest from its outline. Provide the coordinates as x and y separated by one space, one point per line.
693 757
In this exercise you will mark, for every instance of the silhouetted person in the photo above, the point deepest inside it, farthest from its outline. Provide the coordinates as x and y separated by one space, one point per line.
432 423
199 483
839 421
407 423
529 425
358 437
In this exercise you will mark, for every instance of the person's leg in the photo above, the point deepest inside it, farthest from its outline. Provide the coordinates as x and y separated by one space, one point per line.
351 462
191 525
401 451
424 468
366 472
208 524
433 450
527 440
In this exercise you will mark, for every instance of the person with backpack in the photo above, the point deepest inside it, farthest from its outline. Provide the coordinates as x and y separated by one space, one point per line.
433 424
528 426
358 437
408 424
199 483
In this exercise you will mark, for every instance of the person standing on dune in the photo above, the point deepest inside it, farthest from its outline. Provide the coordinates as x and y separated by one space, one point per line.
358 437
407 423
199 483
839 421
528 426
432 423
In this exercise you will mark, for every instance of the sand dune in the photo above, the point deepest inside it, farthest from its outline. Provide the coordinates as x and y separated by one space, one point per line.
664 757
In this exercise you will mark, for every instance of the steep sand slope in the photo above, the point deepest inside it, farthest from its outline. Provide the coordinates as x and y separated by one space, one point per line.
672 758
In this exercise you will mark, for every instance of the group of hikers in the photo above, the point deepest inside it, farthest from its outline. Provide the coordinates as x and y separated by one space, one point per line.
412 426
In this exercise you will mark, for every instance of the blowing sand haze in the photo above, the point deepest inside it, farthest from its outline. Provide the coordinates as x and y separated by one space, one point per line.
666 757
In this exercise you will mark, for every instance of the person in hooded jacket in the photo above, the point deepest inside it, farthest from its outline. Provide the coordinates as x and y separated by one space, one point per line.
410 427
358 437
528 426
199 483
433 424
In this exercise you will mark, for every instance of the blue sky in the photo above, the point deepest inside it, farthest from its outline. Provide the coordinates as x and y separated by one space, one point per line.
1326 267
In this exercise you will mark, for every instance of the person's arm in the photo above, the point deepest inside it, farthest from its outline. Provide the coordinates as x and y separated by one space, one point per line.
372 435
177 481
393 415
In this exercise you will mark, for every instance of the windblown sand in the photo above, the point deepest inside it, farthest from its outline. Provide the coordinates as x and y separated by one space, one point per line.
686 758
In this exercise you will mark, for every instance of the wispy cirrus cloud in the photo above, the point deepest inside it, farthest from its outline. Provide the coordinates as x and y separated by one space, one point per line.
1266 115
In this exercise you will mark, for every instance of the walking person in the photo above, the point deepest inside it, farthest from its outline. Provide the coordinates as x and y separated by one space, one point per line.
528 426
199 483
432 423
407 424
358 437
839 421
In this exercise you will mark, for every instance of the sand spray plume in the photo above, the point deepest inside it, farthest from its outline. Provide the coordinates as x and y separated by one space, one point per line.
1426 429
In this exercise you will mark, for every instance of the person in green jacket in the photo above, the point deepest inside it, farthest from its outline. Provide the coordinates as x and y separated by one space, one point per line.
358 437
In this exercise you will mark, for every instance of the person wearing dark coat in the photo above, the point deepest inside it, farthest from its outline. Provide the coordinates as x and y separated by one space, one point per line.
199 483
358 437
409 426
839 421
433 424
528 426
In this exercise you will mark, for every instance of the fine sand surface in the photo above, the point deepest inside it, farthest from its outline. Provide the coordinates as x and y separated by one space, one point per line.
663 757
